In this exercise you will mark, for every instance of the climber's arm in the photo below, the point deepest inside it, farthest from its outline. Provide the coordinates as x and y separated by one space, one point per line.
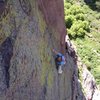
54 51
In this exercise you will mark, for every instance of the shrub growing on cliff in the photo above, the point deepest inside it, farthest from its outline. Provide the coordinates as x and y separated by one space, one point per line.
69 20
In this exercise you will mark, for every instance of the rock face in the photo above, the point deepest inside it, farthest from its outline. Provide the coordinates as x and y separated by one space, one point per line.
29 30
88 83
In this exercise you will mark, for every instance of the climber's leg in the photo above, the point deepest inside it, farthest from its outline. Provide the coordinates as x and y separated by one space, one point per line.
60 69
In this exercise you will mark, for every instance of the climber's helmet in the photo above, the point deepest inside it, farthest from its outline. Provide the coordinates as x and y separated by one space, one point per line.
59 58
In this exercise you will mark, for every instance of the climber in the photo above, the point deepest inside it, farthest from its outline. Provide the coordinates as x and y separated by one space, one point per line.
60 61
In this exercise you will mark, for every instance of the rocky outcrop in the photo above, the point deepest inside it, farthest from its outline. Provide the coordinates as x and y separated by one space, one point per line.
96 95
30 29
88 82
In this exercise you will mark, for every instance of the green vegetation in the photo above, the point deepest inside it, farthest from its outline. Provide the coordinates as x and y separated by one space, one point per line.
82 20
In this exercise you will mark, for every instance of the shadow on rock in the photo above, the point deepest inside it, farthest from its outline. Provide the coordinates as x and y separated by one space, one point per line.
93 5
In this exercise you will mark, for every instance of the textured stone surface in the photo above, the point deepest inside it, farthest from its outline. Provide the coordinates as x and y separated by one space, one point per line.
91 91
27 69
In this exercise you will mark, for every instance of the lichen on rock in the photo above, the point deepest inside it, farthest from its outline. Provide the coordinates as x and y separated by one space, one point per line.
27 64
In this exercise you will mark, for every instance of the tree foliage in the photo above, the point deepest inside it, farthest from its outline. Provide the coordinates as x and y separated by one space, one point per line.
83 27
75 21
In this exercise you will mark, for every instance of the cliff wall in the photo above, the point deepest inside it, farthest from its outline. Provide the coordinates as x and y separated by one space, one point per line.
29 30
